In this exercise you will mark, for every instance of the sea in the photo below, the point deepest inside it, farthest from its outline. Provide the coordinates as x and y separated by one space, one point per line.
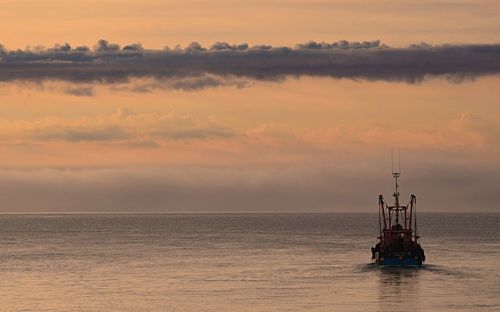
242 262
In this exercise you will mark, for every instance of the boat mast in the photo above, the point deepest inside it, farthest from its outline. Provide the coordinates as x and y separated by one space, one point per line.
381 210
416 229
398 242
396 175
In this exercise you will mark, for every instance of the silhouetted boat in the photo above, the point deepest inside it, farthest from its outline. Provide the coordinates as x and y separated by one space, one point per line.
398 237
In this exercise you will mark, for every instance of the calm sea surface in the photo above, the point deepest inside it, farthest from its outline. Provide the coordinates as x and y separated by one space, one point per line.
241 262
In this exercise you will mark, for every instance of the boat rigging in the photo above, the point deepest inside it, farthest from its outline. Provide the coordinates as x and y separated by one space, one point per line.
398 233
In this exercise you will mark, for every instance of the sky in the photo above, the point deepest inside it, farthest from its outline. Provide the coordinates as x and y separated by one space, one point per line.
248 106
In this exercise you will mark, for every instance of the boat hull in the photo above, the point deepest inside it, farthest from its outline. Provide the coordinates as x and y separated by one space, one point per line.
390 261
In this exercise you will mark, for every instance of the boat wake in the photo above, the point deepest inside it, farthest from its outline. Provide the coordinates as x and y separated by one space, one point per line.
432 268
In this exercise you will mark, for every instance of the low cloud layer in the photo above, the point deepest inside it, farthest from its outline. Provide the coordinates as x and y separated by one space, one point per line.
123 126
104 163
195 67
129 127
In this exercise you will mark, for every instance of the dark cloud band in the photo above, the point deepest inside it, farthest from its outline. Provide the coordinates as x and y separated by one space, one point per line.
370 60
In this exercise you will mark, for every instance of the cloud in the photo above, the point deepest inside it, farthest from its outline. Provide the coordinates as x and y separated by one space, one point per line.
283 141
273 167
485 128
342 44
105 46
466 131
180 83
79 91
122 126
197 67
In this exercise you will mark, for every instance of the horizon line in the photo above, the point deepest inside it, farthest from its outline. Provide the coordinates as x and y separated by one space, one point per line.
231 212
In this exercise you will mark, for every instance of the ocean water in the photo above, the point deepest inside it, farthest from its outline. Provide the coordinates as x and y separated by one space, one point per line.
241 262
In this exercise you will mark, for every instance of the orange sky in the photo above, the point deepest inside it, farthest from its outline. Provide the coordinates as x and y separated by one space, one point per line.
157 23
302 144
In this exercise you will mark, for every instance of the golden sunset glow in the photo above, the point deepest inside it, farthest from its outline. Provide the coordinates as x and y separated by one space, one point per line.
235 134
249 155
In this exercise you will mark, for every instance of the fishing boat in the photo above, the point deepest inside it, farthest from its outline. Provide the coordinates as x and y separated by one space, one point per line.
398 236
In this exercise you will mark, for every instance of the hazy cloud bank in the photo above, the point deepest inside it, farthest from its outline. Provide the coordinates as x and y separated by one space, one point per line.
129 127
195 66
122 126
269 168
308 188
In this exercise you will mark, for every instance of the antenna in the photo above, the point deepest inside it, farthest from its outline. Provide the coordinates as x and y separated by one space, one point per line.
392 160
399 157
396 174
398 171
